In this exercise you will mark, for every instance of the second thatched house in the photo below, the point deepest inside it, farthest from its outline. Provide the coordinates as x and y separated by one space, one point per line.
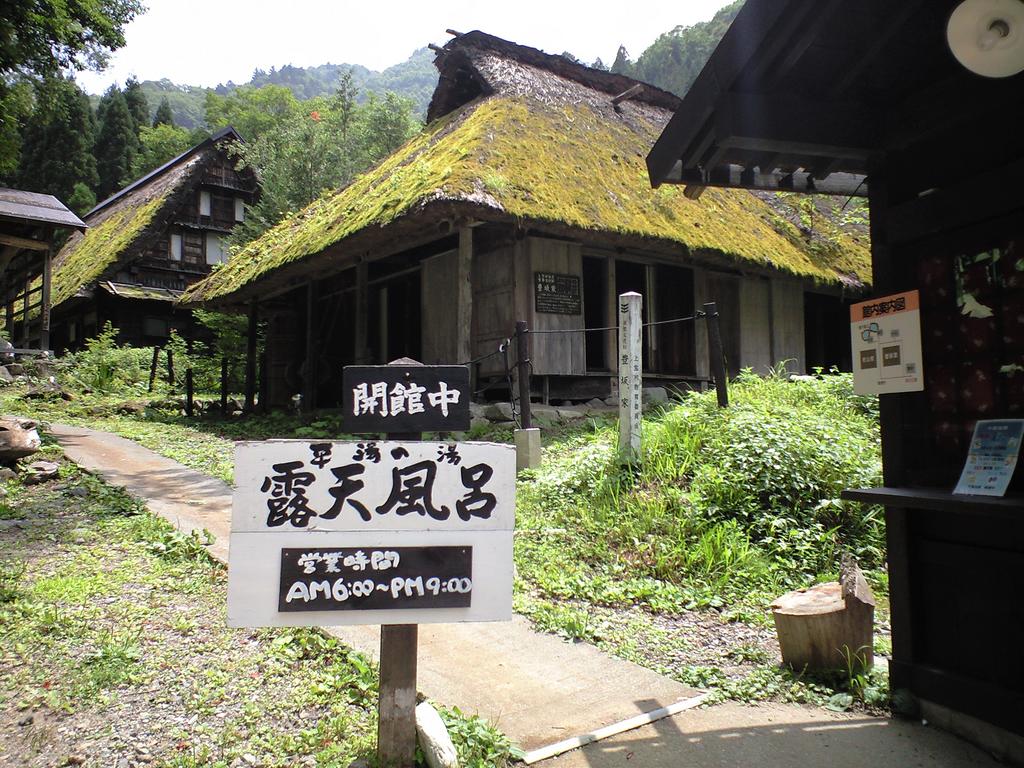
146 244
526 198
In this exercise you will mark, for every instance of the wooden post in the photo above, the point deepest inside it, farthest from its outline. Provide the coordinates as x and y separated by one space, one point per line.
464 297
250 361
630 376
170 367
44 299
25 337
223 385
362 310
716 354
190 404
611 350
152 368
309 375
264 401
523 368
396 704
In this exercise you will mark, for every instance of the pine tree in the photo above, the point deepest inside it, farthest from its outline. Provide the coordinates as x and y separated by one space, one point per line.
116 143
163 115
57 141
137 102
622 65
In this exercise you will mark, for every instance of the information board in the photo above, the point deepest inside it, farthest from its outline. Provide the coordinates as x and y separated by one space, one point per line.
992 458
885 336
405 398
557 294
371 532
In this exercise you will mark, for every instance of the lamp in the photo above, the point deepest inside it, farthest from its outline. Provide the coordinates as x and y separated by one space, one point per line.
987 36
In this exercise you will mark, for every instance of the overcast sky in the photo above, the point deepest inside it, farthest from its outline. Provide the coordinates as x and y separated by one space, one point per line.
207 42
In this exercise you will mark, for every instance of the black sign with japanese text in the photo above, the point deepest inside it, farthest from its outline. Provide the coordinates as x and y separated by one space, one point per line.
333 579
557 294
413 398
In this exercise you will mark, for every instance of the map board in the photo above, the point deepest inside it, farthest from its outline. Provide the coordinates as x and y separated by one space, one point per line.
885 336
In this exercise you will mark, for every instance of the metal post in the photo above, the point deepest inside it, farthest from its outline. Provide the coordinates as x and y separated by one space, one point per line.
523 366
716 355
630 375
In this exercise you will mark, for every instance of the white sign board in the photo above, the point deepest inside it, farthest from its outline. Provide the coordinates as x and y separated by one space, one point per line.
885 338
371 532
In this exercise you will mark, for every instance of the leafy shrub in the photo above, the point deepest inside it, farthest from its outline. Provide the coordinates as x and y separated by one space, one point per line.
105 367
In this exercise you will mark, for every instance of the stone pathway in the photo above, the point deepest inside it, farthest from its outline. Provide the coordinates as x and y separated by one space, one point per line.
540 690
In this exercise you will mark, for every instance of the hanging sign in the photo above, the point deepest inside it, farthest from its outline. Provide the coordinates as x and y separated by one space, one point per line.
886 343
371 532
406 398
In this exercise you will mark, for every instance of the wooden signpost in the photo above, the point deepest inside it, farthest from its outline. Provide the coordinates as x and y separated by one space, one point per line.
630 376
395 532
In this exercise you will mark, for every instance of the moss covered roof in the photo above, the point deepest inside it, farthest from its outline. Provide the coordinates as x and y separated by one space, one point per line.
562 155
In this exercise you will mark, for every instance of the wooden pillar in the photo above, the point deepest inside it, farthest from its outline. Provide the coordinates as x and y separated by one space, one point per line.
630 375
25 338
396 724
309 375
716 354
611 352
223 385
44 299
250 360
464 297
362 311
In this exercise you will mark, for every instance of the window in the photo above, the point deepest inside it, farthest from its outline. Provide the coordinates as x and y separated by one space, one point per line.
239 209
192 250
214 249
175 247
204 203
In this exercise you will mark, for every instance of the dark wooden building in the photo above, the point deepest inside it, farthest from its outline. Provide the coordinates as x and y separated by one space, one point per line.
866 97
28 221
526 198
146 244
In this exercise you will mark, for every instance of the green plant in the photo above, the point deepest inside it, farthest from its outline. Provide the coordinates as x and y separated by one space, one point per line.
479 744
115 657
11 574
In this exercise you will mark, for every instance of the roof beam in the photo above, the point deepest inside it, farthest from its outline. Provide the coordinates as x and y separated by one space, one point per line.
23 242
793 126
736 176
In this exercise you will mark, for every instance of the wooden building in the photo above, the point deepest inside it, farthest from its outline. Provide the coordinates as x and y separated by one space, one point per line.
146 244
868 98
28 221
526 198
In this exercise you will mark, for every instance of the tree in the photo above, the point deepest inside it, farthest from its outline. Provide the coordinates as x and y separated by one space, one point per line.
116 143
622 65
43 37
137 102
157 145
15 109
163 115
388 124
57 141
252 111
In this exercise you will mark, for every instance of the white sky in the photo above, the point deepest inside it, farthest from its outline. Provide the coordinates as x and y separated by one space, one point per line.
207 42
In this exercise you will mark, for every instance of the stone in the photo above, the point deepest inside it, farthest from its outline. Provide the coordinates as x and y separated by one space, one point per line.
479 422
6 473
40 471
498 411
432 734
528 453
570 414
595 403
544 412
18 438
477 411
655 395
612 401
15 369
5 376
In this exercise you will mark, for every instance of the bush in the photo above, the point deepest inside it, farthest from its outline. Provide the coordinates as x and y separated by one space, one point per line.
105 367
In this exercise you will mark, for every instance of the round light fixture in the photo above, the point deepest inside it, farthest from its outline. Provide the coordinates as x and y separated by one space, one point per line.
987 36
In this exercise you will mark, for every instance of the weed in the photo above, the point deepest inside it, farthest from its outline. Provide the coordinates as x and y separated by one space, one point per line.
479 744
115 658
11 574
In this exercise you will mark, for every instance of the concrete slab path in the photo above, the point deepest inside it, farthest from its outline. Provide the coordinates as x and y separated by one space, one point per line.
538 689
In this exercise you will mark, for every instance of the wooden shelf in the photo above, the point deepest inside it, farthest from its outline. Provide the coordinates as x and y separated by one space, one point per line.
939 501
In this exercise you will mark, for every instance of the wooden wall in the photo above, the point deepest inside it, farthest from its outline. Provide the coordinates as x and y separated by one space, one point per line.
439 320
788 324
756 348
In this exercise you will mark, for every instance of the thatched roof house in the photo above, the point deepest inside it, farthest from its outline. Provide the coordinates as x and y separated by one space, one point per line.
147 243
530 165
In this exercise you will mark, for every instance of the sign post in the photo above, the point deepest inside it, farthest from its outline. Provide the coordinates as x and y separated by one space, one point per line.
630 376
395 532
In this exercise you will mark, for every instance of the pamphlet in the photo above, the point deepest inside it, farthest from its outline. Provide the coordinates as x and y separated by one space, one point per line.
992 457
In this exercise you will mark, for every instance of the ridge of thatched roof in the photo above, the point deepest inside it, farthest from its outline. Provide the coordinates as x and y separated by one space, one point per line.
536 146
126 220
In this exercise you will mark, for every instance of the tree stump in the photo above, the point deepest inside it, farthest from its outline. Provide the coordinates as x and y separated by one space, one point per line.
828 626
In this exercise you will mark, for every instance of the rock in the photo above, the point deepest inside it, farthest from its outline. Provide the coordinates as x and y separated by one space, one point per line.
595 403
39 472
18 438
359 762
6 473
655 395
570 414
612 401
15 369
26 720
544 412
79 491
131 409
479 422
433 737
477 411
498 412
5 376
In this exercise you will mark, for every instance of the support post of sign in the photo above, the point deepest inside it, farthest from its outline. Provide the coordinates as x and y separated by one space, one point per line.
527 437
716 355
630 375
